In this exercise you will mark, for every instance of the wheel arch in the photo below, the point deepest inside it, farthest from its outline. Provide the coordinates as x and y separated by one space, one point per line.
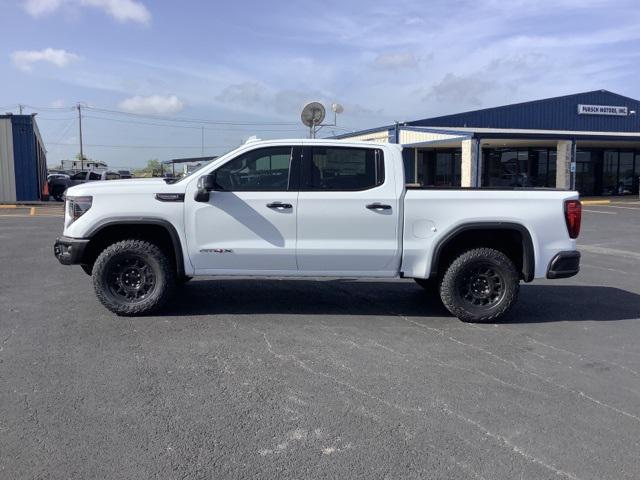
158 230
517 243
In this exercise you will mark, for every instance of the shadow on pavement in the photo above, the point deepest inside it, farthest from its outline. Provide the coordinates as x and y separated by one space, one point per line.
537 303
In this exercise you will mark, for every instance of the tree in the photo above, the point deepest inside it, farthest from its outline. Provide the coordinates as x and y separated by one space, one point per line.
152 168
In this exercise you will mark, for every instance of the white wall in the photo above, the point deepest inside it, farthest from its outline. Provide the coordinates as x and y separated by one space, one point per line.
381 136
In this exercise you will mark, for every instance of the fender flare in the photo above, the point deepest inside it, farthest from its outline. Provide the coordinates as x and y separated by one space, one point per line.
528 257
173 234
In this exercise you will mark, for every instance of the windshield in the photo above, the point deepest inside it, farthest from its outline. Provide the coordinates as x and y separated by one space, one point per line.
200 167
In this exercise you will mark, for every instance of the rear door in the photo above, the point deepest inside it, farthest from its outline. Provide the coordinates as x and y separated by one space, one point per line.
348 213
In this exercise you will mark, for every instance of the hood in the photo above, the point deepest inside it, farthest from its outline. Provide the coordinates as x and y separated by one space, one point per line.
114 186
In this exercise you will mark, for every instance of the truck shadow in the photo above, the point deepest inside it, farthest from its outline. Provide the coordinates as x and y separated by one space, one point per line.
537 303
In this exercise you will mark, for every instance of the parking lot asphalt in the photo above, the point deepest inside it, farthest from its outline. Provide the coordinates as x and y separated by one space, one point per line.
245 378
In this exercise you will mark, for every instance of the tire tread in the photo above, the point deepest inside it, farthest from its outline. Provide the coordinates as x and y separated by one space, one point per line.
155 301
447 286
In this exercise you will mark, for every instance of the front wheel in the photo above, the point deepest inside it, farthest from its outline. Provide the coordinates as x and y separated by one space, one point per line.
133 277
481 285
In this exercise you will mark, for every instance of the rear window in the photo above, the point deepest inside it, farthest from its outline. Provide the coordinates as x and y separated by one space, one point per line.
345 168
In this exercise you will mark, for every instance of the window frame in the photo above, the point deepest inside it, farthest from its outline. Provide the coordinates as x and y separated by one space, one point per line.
292 178
307 159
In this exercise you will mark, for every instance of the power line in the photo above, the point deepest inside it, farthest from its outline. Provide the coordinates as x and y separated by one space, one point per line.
187 120
141 146
192 127
53 109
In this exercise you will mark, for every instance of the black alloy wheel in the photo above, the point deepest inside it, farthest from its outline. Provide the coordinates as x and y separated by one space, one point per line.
131 279
481 285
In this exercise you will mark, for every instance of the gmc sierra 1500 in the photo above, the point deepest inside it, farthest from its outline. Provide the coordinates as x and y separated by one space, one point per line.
316 208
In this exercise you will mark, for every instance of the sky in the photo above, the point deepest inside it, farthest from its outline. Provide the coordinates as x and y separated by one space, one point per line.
158 79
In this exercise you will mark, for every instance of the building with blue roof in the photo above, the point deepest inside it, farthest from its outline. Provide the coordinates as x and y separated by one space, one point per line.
586 141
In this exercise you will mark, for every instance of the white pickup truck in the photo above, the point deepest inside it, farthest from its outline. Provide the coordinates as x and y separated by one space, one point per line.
316 208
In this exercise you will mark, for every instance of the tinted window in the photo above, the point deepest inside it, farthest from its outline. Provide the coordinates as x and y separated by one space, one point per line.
94 176
344 168
265 169
79 176
112 176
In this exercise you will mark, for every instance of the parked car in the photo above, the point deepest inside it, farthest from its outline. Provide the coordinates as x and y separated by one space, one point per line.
93 176
317 208
124 174
59 183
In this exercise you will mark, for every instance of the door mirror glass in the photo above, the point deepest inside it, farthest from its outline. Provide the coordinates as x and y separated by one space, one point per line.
206 184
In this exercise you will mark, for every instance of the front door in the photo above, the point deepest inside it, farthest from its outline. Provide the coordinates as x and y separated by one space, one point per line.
249 224
348 213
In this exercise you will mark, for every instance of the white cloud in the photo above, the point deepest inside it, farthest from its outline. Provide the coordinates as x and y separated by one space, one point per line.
36 8
24 59
121 10
396 60
58 103
463 90
153 104
246 93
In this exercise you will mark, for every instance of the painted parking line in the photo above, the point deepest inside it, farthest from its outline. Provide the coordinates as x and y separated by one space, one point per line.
625 208
609 251
600 211
29 215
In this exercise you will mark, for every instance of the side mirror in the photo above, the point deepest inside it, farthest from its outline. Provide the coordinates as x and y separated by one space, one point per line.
206 183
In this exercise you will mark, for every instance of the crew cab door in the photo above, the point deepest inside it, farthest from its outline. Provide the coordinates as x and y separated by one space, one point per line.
249 223
348 213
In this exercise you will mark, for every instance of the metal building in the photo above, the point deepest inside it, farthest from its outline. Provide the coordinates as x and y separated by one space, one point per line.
588 141
23 161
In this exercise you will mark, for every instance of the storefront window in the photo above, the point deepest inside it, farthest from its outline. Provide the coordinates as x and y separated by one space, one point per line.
626 180
439 168
526 167
585 172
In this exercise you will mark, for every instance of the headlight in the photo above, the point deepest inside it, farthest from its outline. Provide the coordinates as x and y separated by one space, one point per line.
78 206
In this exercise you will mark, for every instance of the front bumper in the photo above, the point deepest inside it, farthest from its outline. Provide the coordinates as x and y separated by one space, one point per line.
564 264
70 251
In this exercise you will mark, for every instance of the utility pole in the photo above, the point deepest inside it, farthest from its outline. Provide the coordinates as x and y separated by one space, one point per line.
20 109
80 128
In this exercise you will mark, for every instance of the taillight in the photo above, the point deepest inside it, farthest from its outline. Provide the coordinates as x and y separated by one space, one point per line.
573 217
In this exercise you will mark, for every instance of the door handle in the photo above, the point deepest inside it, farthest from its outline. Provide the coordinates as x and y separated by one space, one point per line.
279 205
378 206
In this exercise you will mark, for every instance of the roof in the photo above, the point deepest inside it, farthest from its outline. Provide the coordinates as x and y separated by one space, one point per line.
189 160
557 113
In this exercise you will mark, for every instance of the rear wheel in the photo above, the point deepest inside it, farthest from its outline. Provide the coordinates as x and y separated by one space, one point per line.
133 277
481 285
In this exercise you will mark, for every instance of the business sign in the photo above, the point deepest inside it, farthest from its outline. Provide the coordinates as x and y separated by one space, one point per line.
602 110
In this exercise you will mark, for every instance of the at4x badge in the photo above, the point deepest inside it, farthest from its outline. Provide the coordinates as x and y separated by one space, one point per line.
216 250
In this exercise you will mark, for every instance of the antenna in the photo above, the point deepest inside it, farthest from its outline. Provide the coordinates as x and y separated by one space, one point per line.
313 115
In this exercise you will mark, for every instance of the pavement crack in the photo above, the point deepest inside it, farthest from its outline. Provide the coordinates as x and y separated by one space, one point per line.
436 404
506 442
353 388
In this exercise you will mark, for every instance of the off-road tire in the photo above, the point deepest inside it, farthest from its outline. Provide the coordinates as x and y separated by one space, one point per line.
477 276
157 265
